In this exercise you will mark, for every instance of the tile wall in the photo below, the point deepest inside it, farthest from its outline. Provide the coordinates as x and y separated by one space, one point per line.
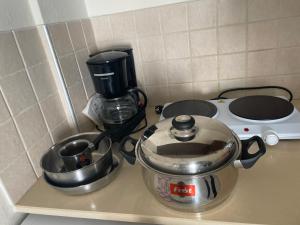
196 49
31 113
32 116
73 42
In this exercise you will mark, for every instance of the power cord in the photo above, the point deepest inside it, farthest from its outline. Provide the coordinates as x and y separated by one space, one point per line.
220 96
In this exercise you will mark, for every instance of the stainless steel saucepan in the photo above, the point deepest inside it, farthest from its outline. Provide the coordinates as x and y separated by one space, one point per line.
58 171
190 163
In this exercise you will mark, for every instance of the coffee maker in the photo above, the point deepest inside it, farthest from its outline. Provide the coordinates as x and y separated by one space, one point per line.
114 78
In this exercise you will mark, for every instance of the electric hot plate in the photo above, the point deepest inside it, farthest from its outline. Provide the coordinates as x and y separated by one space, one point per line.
272 118
190 107
261 107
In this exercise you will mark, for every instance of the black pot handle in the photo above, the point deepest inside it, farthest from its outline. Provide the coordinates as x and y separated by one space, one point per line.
247 160
129 155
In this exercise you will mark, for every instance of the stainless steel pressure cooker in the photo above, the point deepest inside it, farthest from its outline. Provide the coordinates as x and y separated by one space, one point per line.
190 163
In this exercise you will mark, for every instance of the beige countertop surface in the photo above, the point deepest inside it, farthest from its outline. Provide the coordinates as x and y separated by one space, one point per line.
268 193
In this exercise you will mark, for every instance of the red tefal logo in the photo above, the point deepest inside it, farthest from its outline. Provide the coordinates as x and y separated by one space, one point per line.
183 190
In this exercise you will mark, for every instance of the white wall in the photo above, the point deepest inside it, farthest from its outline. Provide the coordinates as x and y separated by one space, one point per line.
103 7
15 14
62 10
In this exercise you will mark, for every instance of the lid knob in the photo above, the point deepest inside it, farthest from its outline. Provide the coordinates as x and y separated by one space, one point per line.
183 122
183 128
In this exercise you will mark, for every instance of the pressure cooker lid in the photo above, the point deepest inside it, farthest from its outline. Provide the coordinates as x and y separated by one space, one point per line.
187 145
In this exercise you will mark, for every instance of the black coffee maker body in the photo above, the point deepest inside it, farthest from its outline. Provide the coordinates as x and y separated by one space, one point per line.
114 78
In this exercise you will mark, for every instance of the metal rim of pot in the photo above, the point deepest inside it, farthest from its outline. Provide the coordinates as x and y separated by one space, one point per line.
159 171
240 156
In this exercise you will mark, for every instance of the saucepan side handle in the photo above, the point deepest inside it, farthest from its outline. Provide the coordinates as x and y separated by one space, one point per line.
247 160
129 155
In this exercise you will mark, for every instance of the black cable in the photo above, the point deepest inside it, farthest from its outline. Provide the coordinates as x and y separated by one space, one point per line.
141 128
254 88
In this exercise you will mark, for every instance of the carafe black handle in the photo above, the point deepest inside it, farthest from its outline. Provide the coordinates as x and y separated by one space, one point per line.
129 155
247 160
138 91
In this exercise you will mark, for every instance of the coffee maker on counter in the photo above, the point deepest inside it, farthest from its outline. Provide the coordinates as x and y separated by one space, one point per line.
114 78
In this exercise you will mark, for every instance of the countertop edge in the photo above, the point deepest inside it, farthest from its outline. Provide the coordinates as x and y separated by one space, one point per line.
121 217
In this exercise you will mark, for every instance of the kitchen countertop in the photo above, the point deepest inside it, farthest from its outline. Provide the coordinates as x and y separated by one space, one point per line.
268 193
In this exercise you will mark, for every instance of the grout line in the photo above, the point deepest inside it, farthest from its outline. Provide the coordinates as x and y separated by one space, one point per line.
247 44
18 132
6 121
85 37
12 74
218 44
77 61
162 35
61 81
36 98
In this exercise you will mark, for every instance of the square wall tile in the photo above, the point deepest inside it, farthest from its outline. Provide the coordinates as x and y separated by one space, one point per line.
10 144
263 9
232 11
62 131
177 45
232 66
4 114
10 60
19 171
289 32
85 124
123 25
31 125
60 38
179 71
227 84
37 151
154 73
78 97
262 35
92 48
70 69
88 31
76 34
82 56
152 48
157 95
288 60
43 80
53 111
139 74
89 87
262 63
181 91
147 22
293 82
205 68
232 39
174 18
203 42
202 14
31 46
289 8
18 92
102 28
205 90
262 81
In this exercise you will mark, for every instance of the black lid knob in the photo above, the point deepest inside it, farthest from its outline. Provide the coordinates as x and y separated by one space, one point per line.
183 122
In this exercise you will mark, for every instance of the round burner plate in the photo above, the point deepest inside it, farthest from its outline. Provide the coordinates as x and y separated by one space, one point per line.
190 107
261 107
